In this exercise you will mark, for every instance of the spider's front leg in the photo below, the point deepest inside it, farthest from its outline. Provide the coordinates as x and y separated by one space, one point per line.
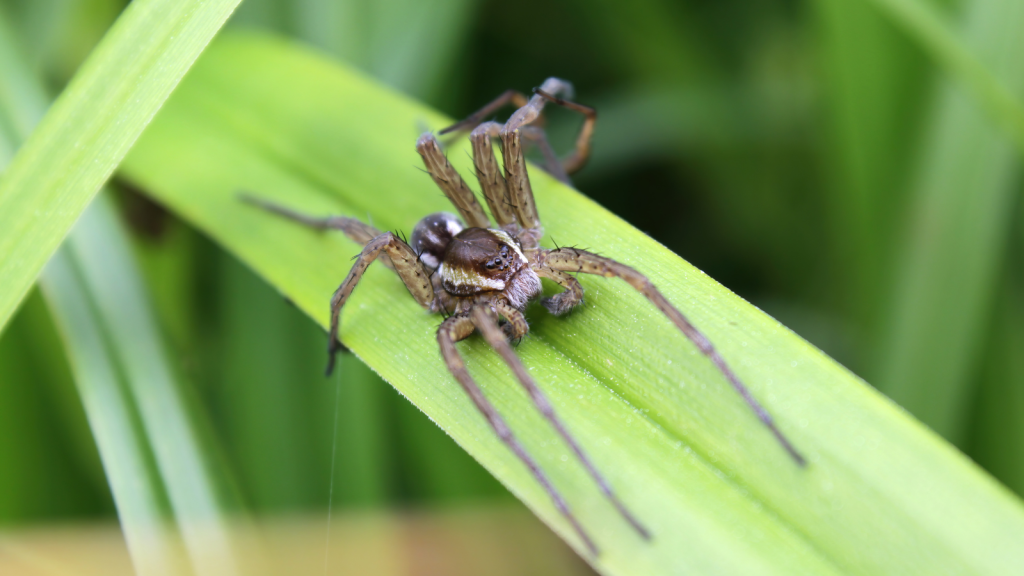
573 260
450 182
516 176
457 328
406 264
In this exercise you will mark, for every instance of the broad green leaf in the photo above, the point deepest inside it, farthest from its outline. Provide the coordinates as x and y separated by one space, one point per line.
881 495
953 246
91 126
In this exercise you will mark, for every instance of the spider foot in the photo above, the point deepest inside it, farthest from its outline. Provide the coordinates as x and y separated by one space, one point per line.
560 304
509 330
332 355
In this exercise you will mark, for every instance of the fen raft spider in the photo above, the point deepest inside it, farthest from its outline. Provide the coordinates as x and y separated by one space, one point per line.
481 277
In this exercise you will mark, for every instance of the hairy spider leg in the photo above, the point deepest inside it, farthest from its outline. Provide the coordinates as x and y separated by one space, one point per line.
492 183
484 320
487 167
548 92
507 97
552 165
573 260
515 326
519 187
560 169
580 155
457 328
408 267
356 230
449 181
515 163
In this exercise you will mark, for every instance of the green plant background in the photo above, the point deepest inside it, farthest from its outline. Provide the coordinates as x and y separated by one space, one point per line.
838 164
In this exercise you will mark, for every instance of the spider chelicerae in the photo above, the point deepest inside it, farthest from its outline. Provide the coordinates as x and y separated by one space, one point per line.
482 276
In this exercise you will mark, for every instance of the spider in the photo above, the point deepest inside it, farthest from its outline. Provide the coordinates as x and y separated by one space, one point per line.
481 276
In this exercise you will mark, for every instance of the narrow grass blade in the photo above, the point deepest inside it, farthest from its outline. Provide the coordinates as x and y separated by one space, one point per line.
408 44
874 79
922 22
882 494
49 471
103 250
136 489
91 126
997 435
122 374
955 240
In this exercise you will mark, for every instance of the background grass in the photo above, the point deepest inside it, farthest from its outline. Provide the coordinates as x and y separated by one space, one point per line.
818 158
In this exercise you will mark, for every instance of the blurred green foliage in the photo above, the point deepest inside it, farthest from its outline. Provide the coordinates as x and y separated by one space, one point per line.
810 156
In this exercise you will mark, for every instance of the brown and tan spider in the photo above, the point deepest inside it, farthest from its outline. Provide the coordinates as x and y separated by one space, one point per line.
482 276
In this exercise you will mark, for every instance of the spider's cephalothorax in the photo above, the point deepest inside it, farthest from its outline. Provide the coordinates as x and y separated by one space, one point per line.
473 264
481 273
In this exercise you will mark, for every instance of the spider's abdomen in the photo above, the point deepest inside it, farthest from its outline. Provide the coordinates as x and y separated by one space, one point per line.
431 236
480 260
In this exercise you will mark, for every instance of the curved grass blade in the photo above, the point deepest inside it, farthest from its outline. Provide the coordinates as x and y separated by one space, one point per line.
954 246
123 375
922 22
882 494
91 126
102 250
137 492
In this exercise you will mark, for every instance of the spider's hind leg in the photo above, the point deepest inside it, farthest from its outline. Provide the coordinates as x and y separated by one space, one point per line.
457 328
574 260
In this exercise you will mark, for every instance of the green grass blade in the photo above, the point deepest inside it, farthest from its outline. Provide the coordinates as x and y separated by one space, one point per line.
997 439
882 494
874 80
122 373
102 248
408 44
922 22
50 471
91 126
961 213
122 445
